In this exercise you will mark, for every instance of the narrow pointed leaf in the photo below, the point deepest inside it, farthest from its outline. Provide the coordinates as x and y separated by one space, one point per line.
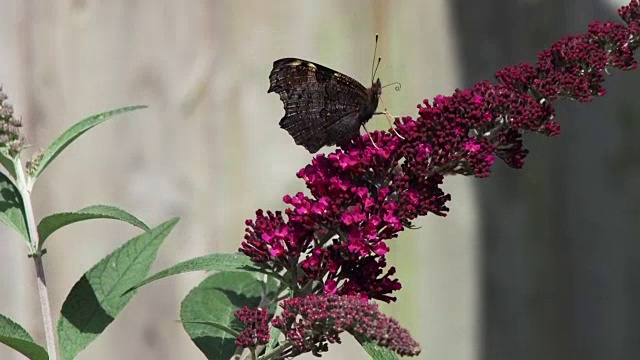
17 338
96 299
216 299
74 132
377 352
51 223
228 330
213 262
274 336
12 207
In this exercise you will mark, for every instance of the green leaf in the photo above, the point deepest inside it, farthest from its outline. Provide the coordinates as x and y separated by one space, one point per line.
51 223
17 338
375 351
228 330
12 207
216 299
74 132
274 336
213 262
96 299
7 163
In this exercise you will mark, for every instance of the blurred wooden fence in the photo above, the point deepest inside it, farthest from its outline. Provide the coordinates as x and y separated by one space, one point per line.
209 148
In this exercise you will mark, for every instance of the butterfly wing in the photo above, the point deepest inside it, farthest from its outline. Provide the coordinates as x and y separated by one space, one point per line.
322 106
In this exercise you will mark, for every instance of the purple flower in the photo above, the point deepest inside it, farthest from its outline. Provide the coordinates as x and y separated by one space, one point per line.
363 195
256 322
311 323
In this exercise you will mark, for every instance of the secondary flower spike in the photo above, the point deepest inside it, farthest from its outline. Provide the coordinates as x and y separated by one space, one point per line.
256 323
10 137
311 323
335 238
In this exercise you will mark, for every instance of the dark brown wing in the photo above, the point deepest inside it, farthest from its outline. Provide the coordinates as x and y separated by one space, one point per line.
321 105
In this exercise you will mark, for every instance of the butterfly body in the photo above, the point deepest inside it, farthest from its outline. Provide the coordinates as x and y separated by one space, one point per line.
322 106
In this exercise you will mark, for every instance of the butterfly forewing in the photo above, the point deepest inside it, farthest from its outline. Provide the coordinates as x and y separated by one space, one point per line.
322 106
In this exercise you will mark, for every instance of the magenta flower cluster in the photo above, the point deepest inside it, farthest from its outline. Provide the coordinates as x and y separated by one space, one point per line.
310 323
333 240
363 195
256 327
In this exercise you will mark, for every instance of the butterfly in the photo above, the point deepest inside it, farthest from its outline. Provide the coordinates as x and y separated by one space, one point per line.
322 106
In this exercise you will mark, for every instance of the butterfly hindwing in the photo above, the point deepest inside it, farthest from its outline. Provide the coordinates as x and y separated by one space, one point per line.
322 106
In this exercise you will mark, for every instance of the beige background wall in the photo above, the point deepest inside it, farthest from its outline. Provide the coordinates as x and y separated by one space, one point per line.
209 148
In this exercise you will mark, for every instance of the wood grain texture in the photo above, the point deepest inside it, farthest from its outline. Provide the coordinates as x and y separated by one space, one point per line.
209 148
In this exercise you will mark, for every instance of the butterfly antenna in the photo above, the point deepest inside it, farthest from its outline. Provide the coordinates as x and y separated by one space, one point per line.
376 70
373 62
397 84
370 138
388 116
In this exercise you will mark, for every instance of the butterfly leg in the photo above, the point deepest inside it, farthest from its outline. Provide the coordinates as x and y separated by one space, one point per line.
370 138
388 115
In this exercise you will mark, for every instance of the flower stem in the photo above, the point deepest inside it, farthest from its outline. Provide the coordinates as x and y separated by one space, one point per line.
36 253
276 351
45 307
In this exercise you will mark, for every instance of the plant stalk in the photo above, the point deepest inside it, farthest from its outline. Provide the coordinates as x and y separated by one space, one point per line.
45 308
36 253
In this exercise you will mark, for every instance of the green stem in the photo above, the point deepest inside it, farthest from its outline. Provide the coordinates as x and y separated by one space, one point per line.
276 351
36 252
